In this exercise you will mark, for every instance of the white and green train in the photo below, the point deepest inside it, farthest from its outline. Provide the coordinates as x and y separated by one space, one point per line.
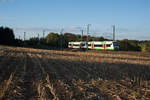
95 45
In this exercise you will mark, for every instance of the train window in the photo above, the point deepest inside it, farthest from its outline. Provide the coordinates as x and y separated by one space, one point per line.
83 44
76 45
98 45
108 45
89 44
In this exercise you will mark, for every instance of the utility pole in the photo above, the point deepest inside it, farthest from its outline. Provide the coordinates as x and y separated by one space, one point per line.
38 39
114 32
24 36
19 37
61 41
88 26
43 34
38 36
81 35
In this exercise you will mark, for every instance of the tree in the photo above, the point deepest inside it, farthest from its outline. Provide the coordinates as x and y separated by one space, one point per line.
52 39
33 41
42 41
6 36
70 37
98 39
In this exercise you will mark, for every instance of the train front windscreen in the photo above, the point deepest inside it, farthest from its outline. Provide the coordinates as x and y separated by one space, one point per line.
116 46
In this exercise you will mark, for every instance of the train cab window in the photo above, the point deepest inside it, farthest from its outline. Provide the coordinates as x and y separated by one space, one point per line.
115 43
108 45
98 45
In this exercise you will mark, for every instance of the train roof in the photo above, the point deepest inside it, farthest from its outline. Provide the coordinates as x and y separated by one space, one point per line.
94 41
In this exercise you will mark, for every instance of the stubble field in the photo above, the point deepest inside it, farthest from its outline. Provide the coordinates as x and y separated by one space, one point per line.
34 74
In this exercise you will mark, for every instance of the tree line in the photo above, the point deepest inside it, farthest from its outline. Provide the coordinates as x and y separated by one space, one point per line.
60 41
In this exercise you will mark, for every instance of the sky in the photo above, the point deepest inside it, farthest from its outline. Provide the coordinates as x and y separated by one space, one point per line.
131 17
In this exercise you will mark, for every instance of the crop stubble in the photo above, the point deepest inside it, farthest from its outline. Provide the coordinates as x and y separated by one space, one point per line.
31 74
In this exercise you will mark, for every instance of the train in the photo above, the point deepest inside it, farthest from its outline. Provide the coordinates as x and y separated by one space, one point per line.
95 45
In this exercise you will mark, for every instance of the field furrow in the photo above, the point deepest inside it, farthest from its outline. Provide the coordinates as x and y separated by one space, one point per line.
32 74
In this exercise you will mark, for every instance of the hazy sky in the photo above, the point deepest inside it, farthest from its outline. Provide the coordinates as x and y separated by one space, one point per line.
131 17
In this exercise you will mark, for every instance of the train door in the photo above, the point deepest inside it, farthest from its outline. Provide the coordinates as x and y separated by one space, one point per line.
81 45
92 46
72 45
104 46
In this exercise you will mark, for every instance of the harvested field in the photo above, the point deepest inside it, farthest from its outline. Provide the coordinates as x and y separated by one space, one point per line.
35 74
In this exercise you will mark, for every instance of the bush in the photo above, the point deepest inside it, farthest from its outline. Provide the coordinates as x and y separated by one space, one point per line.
129 45
145 47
